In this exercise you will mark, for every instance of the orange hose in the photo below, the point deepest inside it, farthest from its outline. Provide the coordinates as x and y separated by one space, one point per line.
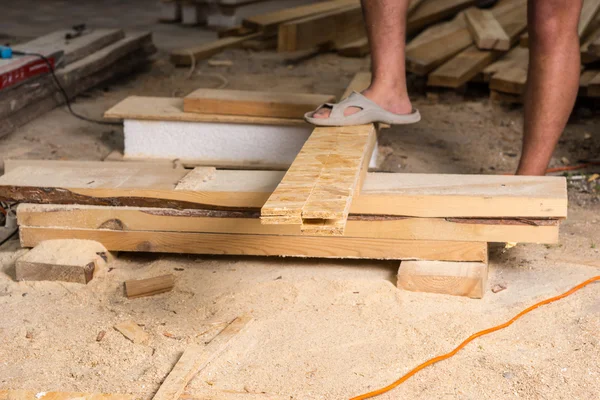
571 167
470 339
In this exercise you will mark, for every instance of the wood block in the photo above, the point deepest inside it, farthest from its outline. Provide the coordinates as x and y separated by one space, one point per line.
150 286
251 103
133 332
512 78
486 31
62 260
195 358
454 278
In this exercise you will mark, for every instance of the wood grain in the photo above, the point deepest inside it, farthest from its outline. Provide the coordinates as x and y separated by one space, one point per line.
486 31
265 245
253 104
150 286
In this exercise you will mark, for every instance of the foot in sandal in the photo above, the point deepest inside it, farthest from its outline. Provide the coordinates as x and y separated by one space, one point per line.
363 108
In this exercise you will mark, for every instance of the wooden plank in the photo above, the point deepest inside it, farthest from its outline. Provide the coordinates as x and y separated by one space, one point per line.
356 48
270 22
171 109
516 56
10 165
133 332
467 279
512 79
265 245
589 11
359 226
584 82
486 31
322 180
418 195
33 109
62 260
470 62
432 11
338 26
196 358
254 104
37 395
149 286
190 55
73 49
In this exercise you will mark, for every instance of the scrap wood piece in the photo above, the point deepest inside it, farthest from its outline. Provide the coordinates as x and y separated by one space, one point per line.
196 178
433 11
33 395
467 64
323 179
486 31
467 279
356 48
334 247
338 26
253 103
417 195
133 332
149 286
531 230
196 358
171 109
512 79
270 22
62 260
516 56
187 56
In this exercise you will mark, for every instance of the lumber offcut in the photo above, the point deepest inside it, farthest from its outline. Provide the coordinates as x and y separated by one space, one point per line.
416 195
150 286
251 103
454 278
486 31
133 332
195 358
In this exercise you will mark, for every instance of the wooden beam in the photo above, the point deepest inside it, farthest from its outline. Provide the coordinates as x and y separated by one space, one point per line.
359 226
270 22
171 109
196 358
417 195
467 279
253 104
486 31
265 245
339 26
187 56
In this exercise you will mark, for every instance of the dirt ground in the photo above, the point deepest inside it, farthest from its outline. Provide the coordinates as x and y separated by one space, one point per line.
322 329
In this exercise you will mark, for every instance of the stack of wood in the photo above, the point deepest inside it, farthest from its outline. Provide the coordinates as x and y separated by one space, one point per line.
81 61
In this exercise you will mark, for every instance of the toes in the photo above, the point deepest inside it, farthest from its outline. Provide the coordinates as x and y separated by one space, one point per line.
351 110
322 113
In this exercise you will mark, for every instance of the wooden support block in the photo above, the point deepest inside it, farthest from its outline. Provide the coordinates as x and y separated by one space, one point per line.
150 286
338 26
37 395
62 260
486 31
265 245
453 278
133 332
254 104
196 358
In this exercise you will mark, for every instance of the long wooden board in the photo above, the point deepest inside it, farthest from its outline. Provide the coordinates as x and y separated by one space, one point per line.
431 11
338 26
195 358
418 195
171 109
265 245
252 103
189 55
359 226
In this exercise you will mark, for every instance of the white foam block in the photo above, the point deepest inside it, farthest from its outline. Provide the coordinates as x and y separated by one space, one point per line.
218 144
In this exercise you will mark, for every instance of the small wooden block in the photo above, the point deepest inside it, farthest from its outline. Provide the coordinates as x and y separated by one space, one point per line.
486 31
133 332
454 278
62 260
150 286
251 103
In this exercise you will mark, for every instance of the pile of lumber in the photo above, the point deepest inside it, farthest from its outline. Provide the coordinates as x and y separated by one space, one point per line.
81 62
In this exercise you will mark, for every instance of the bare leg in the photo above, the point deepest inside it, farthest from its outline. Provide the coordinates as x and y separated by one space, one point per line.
552 81
385 21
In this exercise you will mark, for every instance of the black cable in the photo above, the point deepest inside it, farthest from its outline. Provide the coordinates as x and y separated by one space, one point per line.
9 237
62 90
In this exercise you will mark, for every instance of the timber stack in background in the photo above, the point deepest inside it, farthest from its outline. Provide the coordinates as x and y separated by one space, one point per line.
450 42
81 60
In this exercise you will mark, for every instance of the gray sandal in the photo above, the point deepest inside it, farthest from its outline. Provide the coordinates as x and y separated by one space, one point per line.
369 113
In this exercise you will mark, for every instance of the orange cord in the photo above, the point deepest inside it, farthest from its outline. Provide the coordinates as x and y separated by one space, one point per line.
470 339
571 167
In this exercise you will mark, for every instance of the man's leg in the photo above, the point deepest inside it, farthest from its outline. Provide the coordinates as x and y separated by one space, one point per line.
552 80
385 21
